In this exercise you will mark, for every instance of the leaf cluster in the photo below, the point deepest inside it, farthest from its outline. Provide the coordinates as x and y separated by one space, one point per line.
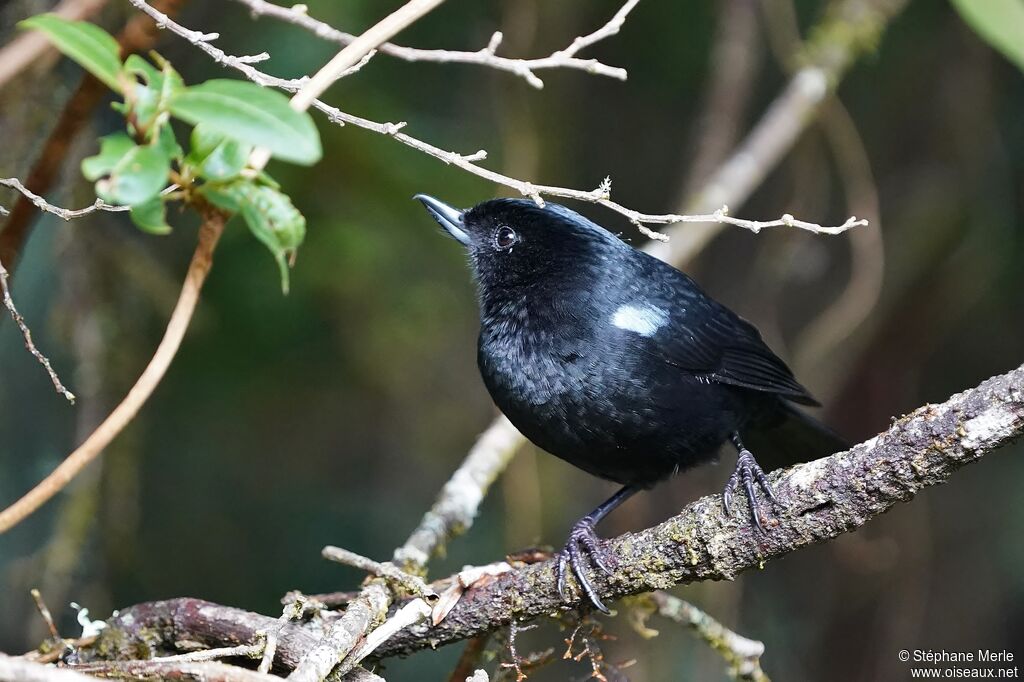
146 168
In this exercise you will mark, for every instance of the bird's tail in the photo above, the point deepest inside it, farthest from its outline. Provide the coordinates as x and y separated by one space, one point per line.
792 436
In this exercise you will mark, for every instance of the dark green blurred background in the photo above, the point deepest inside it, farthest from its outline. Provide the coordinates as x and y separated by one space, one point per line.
335 414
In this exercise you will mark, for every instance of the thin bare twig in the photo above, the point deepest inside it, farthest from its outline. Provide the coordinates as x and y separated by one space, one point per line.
199 268
600 195
411 613
54 653
367 41
742 654
368 609
207 671
26 333
460 498
293 610
486 56
44 611
64 213
244 651
848 30
414 584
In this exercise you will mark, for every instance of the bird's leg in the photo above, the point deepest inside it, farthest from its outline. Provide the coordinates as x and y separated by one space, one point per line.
583 542
747 472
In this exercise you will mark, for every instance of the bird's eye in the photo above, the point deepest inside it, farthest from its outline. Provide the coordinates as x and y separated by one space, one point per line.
505 237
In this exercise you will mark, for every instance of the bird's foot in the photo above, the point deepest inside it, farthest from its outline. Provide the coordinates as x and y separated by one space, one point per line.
583 542
748 472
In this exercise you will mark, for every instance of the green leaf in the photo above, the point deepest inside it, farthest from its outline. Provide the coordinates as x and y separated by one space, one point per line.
150 95
1000 23
202 143
224 196
264 179
136 178
112 150
215 156
165 80
138 66
145 104
167 143
249 113
226 161
270 215
89 45
151 216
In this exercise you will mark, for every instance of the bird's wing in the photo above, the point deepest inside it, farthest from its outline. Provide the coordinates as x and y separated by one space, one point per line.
715 344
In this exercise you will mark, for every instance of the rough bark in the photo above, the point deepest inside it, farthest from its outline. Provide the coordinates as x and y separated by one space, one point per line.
819 501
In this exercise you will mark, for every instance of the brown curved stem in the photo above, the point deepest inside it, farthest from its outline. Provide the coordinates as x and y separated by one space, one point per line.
199 268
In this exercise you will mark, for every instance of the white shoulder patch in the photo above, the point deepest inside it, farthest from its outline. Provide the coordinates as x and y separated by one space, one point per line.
643 318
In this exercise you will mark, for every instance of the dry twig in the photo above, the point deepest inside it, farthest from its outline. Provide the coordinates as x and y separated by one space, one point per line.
460 498
63 213
26 334
414 584
199 268
600 195
821 500
486 56
44 611
742 654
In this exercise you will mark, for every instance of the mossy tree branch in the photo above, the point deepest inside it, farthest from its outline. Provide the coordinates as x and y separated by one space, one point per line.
820 500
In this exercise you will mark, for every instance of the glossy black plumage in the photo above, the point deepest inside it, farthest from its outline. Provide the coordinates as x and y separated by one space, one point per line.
613 360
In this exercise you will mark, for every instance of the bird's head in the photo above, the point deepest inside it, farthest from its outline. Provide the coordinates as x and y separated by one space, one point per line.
514 243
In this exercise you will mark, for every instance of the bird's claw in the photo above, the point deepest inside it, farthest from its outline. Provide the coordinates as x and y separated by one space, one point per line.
583 542
748 472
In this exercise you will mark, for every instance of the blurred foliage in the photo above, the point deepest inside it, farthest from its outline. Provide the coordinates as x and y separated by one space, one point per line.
335 414
1000 22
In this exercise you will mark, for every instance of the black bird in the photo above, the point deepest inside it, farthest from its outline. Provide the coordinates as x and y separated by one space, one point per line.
618 363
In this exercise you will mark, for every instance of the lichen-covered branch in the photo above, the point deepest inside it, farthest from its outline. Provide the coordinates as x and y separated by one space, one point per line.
362 614
820 500
742 654
460 498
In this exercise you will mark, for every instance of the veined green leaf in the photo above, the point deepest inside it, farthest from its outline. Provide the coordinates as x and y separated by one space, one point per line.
89 45
249 113
270 215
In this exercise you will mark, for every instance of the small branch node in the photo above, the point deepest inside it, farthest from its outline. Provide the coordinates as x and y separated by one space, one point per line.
413 584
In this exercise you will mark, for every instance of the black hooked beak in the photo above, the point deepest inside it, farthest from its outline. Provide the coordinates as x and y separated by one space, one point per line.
447 217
